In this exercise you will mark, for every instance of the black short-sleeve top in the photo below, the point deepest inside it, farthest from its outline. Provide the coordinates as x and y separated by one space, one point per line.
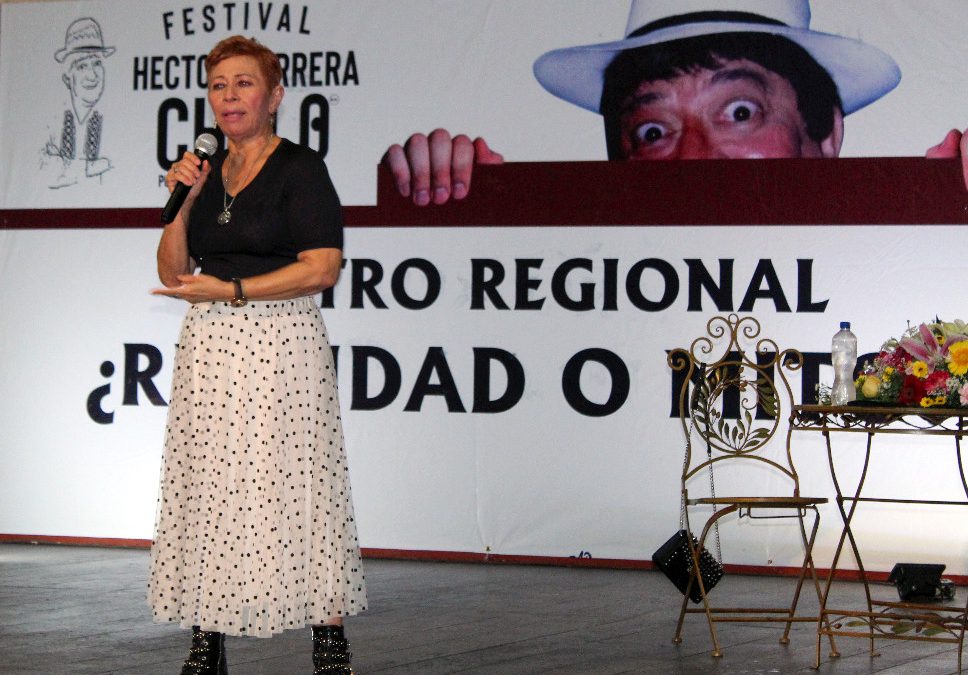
289 207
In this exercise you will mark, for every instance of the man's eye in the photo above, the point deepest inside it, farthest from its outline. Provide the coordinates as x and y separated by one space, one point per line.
741 111
650 133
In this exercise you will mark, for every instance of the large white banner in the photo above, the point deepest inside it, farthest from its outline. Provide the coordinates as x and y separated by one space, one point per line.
526 416
504 389
363 74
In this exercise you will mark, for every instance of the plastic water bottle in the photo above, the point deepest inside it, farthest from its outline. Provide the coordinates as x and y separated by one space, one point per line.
843 354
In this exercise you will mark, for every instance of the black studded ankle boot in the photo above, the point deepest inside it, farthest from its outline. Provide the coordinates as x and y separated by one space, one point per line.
207 655
330 651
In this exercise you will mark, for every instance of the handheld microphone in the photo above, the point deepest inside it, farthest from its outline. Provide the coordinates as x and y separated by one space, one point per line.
205 147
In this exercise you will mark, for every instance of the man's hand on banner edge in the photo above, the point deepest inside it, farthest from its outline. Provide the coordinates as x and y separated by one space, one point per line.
435 168
955 144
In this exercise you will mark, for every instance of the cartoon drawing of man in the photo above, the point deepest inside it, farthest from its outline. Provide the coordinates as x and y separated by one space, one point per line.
83 57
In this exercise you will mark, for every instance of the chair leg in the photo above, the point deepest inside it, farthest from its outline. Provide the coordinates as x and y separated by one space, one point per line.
786 616
684 610
801 577
808 564
677 638
717 650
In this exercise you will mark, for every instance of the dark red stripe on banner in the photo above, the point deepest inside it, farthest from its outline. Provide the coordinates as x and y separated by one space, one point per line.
854 191
106 542
82 219
900 190
482 558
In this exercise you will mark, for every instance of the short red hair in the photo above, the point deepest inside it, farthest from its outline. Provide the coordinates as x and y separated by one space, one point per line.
237 45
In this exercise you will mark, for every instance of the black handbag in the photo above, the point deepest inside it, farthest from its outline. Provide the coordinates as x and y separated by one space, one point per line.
675 560
674 557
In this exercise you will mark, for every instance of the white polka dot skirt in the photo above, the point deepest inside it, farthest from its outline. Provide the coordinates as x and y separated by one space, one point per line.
255 531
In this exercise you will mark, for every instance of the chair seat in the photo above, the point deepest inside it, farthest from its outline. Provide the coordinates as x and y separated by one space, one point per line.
762 502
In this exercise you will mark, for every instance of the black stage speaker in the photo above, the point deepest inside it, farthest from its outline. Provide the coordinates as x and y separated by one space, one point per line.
917 581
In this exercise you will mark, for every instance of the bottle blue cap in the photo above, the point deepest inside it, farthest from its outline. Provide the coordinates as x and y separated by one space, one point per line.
845 324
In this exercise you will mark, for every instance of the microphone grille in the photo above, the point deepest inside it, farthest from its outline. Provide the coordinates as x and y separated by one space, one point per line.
207 144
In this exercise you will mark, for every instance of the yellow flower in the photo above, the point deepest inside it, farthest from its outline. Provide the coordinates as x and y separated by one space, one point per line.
958 358
889 370
919 369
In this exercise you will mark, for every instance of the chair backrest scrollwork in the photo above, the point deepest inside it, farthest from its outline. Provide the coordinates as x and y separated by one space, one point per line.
735 395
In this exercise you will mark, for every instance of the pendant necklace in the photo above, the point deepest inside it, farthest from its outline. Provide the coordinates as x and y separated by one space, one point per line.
226 215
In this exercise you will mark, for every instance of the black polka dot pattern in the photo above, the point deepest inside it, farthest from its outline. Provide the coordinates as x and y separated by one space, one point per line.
255 531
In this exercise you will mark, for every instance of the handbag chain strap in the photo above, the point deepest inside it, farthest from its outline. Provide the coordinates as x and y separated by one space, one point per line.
712 493
712 481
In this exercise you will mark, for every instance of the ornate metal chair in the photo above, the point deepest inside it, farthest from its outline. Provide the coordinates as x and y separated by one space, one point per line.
732 397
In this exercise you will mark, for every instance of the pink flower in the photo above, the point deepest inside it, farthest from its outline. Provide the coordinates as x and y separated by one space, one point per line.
963 392
926 349
937 382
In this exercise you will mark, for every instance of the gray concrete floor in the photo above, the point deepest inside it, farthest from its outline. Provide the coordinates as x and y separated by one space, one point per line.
82 610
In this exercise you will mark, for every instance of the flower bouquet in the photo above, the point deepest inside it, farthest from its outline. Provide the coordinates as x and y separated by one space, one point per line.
926 367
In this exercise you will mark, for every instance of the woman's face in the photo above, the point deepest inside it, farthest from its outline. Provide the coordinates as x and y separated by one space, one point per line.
241 99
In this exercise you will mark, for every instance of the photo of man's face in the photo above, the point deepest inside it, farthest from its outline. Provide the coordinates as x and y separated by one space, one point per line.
85 79
741 110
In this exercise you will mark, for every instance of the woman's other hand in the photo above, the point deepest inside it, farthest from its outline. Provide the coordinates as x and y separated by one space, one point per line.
198 288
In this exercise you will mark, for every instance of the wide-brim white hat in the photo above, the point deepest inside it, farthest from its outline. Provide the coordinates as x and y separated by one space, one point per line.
862 73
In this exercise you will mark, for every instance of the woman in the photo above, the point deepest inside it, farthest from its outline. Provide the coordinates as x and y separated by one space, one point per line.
255 531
